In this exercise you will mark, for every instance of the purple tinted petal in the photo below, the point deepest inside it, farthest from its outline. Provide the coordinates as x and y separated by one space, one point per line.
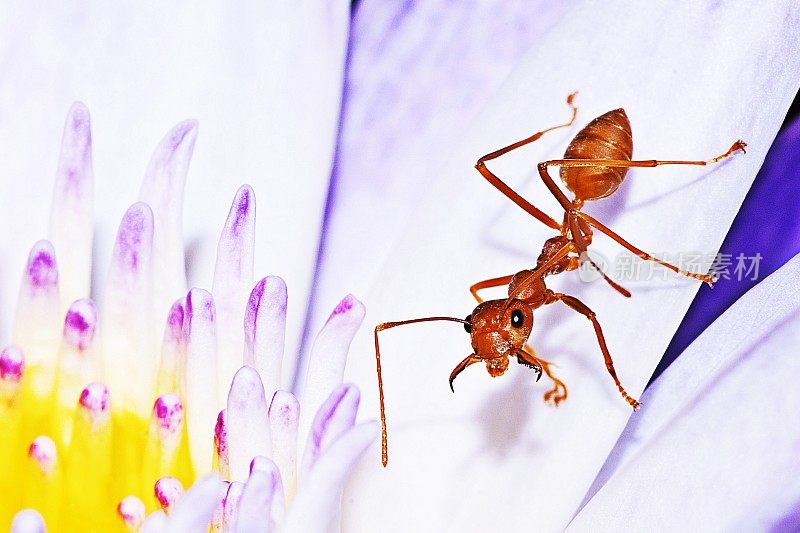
162 189
256 503
231 506
71 215
328 357
334 417
719 422
247 422
322 490
278 501
221 445
172 365
132 365
37 322
265 331
195 510
459 232
394 132
284 417
201 377
765 234
233 278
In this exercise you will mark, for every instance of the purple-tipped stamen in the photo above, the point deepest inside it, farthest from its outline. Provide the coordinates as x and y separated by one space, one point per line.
132 512
43 451
95 403
168 414
12 364
167 492
80 324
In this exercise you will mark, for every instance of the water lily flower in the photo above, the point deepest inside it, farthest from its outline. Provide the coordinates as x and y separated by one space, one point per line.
112 412
493 456
691 78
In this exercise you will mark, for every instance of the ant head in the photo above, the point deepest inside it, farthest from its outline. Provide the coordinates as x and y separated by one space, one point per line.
499 328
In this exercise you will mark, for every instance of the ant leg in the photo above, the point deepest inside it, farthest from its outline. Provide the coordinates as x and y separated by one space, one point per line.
381 327
559 195
541 216
558 393
582 237
488 283
706 278
580 307
738 146
470 359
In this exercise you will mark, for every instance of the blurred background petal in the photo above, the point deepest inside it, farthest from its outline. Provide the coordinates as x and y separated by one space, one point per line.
418 74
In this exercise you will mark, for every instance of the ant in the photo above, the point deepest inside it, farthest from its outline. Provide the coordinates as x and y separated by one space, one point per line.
594 166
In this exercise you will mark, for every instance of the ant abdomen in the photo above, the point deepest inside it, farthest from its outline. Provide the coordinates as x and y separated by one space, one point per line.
606 137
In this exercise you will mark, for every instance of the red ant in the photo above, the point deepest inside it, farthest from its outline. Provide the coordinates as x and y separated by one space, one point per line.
594 166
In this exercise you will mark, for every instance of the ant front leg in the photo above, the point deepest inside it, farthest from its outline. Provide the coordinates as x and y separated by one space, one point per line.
538 214
577 305
558 393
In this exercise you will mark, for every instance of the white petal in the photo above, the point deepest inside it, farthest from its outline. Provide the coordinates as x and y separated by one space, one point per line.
230 506
233 278
193 512
328 357
278 499
130 346
246 423
256 503
284 416
172 365
497 434
705 453
322 490
37 323
156 523
334 417
71 222
201 377
265 331
162 189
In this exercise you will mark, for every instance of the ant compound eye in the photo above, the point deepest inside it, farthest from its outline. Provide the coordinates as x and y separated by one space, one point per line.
468 325
517 318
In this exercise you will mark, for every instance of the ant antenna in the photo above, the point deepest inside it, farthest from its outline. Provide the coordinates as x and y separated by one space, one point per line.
389 325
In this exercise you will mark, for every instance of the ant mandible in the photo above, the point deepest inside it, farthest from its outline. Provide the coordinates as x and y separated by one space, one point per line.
594 166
